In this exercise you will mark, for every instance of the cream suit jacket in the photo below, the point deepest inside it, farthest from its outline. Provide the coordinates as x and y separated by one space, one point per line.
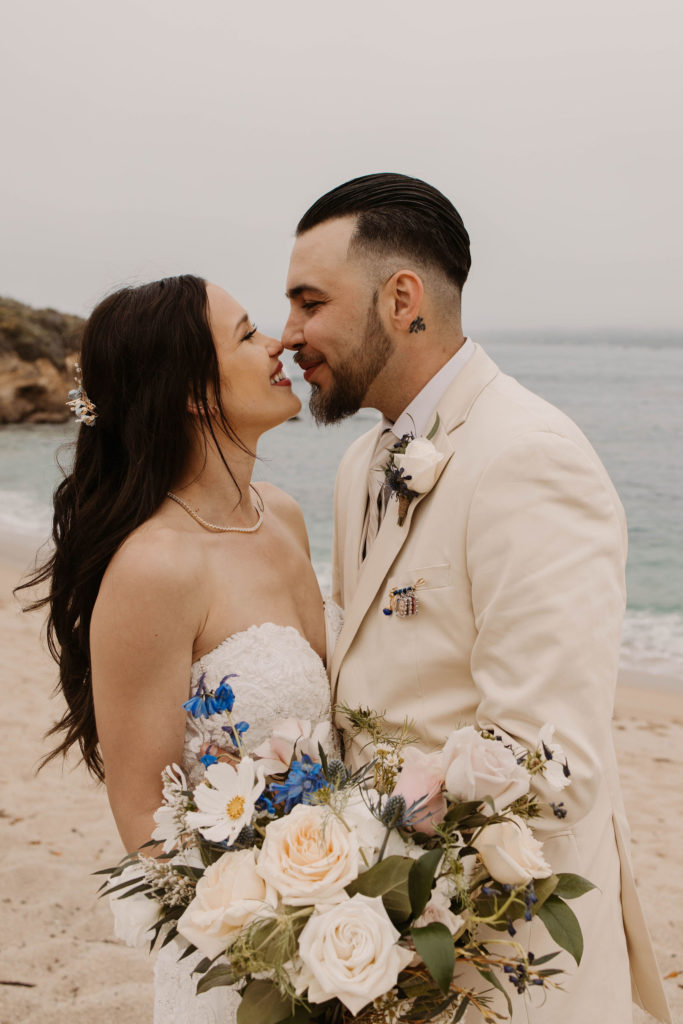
522 545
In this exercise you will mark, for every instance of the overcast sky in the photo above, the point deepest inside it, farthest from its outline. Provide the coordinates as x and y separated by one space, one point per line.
150 137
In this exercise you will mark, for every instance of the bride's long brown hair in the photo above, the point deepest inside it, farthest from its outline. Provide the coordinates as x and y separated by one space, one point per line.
146 352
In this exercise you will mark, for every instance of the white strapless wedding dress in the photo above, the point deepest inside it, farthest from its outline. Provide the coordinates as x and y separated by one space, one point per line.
278 675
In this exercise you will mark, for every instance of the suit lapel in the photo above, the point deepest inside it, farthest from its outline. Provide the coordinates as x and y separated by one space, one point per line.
356 504
364 584
389 541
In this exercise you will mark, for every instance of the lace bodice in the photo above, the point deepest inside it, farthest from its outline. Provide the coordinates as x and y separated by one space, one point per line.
277 675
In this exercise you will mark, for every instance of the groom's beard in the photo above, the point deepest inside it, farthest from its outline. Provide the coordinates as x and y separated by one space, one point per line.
352 381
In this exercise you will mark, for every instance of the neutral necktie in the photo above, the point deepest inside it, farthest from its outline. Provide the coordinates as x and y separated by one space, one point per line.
376 504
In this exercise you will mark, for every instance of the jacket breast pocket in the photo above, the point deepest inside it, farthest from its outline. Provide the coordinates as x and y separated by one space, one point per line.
430 577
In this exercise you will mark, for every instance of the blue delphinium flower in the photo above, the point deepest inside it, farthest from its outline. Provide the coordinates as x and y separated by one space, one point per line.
208 759
264 803
235 731
304 778
206 703
224 693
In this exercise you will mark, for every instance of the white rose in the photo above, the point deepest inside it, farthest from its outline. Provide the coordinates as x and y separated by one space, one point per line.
309 856
420 462
134 916
475 768
511 854
229 895
438 910
350 951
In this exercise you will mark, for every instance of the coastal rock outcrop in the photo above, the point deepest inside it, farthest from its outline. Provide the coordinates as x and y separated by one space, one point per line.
38 349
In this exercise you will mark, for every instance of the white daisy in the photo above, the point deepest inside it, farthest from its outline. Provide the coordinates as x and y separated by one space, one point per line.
170 817
226 799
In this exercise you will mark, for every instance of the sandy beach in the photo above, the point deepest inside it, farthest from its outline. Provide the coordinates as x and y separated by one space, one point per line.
59 961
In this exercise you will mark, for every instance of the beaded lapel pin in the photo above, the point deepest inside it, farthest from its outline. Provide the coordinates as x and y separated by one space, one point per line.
403 600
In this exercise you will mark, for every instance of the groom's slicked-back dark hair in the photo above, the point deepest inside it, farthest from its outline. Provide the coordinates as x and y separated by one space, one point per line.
398 215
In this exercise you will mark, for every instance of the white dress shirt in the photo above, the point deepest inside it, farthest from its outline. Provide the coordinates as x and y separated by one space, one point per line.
415 417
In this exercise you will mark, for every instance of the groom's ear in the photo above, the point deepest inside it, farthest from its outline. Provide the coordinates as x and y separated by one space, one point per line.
404 293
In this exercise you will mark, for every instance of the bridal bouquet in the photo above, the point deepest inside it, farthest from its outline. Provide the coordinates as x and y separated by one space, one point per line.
331 895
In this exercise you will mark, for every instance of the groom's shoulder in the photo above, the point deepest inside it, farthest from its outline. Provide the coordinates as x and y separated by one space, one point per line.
506 408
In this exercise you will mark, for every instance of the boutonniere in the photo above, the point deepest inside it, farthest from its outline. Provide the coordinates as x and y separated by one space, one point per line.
412 469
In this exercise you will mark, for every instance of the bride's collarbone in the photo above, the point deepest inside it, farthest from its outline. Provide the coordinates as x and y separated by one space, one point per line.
249 592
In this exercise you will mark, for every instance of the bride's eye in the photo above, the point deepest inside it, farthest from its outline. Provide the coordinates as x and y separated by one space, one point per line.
251 333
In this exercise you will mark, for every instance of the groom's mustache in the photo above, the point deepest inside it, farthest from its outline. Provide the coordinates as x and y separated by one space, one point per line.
306 359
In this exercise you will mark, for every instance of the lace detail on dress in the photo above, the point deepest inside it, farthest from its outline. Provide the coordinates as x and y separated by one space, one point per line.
277 675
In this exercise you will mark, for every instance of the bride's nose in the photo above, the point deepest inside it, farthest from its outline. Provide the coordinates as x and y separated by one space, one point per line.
274 346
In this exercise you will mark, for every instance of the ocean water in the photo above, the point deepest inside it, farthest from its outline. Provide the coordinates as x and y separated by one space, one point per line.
624 391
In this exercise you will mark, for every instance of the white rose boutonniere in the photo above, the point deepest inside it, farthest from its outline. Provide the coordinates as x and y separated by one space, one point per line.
412 469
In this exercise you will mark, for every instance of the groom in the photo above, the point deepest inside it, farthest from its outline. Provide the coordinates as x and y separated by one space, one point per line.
515 543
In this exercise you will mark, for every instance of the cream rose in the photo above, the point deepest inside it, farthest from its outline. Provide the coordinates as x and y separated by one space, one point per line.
229 895
309 856
438 910
350 951
475 768
511 854
134 916
420 462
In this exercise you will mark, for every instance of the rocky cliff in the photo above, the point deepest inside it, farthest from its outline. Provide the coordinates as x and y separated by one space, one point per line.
38 349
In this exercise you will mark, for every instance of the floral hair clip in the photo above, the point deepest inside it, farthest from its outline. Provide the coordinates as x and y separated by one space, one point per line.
83 409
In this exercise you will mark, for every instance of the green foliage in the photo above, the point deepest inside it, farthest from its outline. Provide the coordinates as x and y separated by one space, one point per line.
570 887
562 925
220 975
263 1003
434 943
421 878
388 879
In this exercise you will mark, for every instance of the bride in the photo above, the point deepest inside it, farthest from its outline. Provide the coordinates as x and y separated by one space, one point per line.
170 564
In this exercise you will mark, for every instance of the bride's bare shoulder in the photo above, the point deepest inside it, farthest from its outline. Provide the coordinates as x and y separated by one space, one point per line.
155 556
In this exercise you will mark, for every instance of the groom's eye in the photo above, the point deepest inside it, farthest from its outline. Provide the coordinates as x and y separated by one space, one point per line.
310 304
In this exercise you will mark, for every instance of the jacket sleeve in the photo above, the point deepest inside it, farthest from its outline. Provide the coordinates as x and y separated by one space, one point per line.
545 555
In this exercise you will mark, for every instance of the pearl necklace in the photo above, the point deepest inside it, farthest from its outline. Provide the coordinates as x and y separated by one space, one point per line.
213 526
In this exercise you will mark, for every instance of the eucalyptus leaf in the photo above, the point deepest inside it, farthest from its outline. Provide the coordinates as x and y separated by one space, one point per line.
562 925
300 1016
388 879
263 1003
434 944
216 976
421 878
570 887
543 887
